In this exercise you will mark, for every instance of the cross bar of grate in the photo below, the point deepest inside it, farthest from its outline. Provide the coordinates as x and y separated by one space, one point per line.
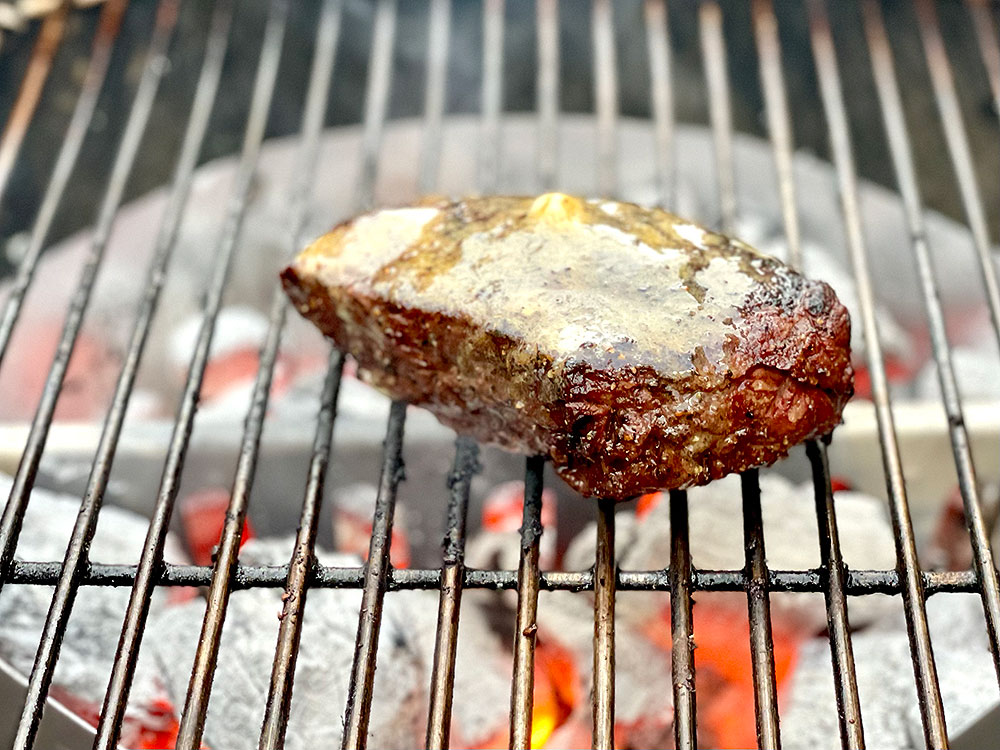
856 582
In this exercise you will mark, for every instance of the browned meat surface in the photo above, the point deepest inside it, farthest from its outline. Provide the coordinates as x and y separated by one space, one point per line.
637 350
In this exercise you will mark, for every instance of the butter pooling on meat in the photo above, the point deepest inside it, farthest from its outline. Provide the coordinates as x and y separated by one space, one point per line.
636 349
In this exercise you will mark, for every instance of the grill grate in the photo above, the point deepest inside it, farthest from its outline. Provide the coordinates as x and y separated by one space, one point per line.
681 580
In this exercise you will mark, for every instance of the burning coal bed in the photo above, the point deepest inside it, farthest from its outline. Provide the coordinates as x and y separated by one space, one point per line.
563 659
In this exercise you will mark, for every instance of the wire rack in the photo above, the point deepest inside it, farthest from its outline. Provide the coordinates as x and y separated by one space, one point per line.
302 573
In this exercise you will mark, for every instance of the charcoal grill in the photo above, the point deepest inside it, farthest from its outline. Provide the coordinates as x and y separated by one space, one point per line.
833 579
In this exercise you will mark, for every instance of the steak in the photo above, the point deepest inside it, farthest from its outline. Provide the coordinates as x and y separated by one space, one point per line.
637 350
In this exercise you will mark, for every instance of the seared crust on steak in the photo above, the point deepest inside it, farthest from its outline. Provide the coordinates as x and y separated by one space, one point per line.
637 350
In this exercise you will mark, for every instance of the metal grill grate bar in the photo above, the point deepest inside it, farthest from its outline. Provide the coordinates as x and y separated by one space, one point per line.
946 99
83 113
681 624
547 93
857 582
928 689
989 47
199 687
961 157
377 577
67 586
779 126
759 610
378 568
852 734
604 627
526 627
123 667
492 89
300 568
661 92
606 102
376 99
605 96
902 157
49 38
303 554
780 133
450 602
376 574
228 549
713 52
758 602
434 97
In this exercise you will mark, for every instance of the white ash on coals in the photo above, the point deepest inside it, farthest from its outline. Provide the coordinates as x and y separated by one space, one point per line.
889 707
330 622
92 633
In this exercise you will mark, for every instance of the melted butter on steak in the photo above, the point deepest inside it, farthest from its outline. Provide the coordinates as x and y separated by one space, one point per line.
639 350
554 276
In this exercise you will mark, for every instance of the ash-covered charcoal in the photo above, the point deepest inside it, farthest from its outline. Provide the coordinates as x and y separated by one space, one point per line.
886 688
323 666
639 351
81 674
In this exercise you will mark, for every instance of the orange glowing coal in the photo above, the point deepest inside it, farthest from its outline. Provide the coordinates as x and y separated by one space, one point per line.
557 692
723 669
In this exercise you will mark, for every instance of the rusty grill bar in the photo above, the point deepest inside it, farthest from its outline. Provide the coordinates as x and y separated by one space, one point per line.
377 577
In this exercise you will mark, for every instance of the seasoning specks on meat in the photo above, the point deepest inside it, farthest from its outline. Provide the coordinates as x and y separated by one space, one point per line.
638 350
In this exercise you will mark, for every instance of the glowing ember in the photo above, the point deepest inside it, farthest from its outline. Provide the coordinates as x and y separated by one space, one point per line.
557 690
203 514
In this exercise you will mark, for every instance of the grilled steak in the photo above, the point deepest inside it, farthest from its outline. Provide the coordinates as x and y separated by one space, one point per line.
637 350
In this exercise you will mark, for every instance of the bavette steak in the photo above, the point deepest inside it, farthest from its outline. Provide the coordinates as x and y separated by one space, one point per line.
638 350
